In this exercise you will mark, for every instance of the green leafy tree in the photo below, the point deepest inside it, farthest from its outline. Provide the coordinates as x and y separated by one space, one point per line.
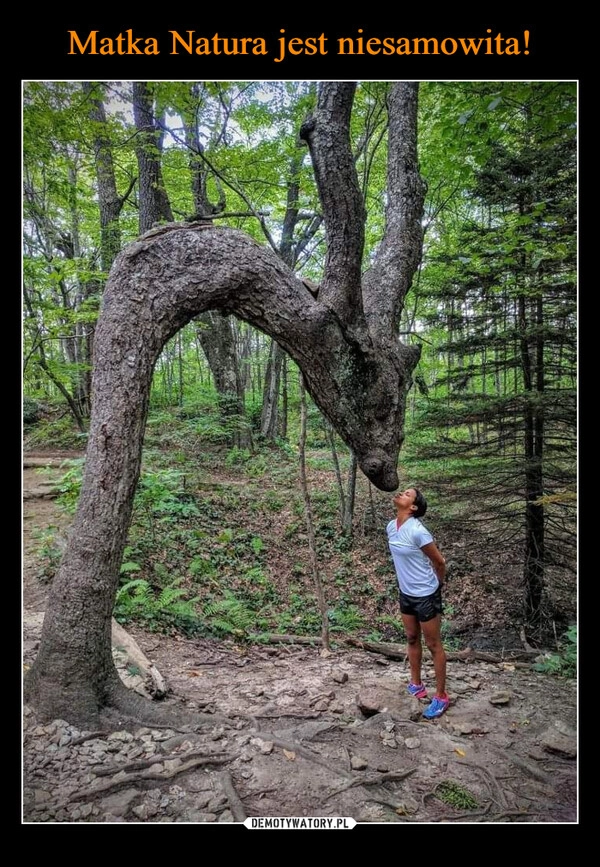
502 293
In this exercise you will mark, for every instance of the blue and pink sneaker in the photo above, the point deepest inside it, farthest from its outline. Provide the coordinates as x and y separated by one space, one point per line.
417 690
437 707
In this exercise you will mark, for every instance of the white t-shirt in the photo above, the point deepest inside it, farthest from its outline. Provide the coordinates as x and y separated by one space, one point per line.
413 568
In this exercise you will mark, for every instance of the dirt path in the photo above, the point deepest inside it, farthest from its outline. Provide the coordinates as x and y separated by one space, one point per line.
299 734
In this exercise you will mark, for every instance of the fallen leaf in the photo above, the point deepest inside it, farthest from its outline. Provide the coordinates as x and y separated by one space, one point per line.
401 811
290 756
194 674
460 753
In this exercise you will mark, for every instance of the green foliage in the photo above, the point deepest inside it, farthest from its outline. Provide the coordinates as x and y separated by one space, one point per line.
347 619
31 410
162 493
394 622
48 552
563 663
69 486
229 616
301 615
451 793
158 610
237 457
58 433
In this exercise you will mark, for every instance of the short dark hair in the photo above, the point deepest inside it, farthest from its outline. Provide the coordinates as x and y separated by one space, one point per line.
420 502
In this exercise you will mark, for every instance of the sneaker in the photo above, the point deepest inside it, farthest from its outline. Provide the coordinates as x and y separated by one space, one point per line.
417 690
437 707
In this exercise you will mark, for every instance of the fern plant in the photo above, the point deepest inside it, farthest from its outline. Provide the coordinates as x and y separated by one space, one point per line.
563 663
136 600
229 616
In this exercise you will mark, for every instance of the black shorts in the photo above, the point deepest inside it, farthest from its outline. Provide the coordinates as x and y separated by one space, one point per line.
424 608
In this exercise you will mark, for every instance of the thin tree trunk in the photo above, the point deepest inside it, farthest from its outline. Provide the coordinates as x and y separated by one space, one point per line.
350 498
310 527
269 414
338 474
284 402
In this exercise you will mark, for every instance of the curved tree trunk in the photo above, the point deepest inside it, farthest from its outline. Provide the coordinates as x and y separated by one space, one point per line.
358 376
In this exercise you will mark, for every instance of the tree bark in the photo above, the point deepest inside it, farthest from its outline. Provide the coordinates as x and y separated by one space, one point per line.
109 202
154 202
217 340
269 414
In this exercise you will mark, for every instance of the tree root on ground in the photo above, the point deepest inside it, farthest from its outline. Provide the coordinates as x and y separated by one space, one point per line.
495 789
126 706
380 779
235 802
525 766
89 737
140 764
293 747
131 779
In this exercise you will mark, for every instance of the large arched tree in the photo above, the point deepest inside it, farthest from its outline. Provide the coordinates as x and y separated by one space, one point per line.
344 340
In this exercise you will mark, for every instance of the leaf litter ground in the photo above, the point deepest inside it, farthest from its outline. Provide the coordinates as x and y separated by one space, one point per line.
292 732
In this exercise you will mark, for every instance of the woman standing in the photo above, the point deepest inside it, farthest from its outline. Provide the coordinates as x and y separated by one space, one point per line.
420 569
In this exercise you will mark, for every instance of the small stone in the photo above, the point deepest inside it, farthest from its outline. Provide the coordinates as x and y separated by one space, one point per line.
118 804
321 705
135 752
226 816
412 743
141 811
340 676
369 702
461 688
121 775
171 764
560 738
466 728
357 763
500 698
337 707
120 736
